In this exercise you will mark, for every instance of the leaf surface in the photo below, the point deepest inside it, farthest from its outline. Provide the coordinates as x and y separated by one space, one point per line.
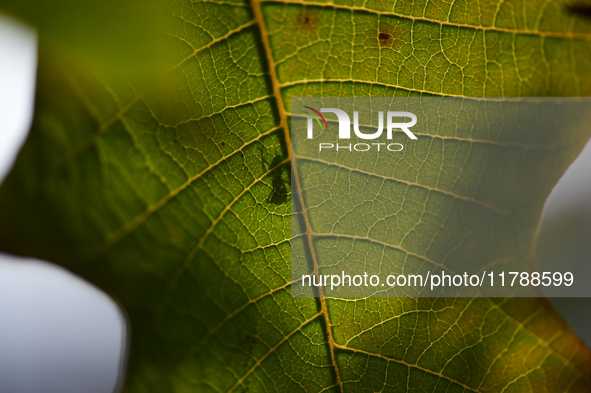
174 198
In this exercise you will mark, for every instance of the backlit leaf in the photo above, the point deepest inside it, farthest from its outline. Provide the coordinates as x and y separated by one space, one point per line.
174 198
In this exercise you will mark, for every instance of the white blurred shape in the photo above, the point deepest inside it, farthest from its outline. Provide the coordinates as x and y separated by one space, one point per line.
18 67
563 238
573 190
58 334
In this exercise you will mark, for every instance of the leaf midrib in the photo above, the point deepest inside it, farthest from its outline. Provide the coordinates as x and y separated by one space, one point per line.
276 88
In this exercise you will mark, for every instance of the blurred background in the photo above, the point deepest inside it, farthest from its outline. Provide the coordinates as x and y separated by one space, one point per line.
58 333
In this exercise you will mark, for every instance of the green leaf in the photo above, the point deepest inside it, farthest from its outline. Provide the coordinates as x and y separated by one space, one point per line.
174 197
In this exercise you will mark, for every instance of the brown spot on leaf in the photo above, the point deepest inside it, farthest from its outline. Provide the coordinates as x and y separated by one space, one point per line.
306 21
223 143
385 38
388 36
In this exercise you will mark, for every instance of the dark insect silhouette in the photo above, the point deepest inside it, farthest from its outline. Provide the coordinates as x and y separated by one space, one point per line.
280 178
